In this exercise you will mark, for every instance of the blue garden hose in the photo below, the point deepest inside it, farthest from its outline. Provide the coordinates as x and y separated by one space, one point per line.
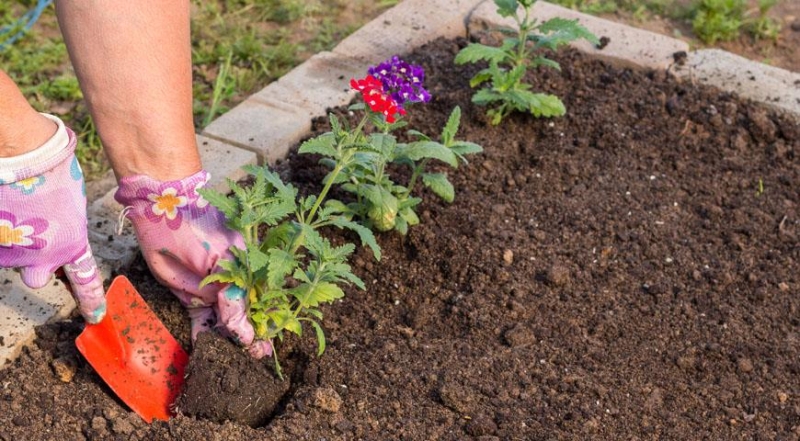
22 25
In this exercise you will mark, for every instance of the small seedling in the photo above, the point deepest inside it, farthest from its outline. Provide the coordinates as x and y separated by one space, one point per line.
287 269
509 63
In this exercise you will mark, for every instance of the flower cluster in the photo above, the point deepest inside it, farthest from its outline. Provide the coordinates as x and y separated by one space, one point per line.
401 80
372 91
391 84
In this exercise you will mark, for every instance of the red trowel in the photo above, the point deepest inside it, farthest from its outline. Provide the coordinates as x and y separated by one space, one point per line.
134 353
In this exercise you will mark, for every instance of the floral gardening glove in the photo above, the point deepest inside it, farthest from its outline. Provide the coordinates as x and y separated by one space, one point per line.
182 238
43 220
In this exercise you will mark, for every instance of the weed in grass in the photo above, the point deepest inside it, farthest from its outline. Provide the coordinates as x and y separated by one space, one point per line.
724 20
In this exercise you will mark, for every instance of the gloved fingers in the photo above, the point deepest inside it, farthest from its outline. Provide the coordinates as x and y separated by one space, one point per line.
203 319
260 349
232 314
182 281
87 286
36 276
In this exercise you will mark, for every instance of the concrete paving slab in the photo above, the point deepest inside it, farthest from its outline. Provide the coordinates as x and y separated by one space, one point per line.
319 84
408 25
627 46
775 87
269 129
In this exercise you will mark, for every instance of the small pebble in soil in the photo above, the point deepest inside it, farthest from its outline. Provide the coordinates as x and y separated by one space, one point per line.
557 275
64 368
745 365
783 397
327 399
508 257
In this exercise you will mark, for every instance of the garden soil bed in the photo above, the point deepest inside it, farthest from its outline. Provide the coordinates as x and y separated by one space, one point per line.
628 271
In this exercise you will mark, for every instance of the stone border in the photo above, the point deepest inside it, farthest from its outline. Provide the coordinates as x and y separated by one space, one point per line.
266 125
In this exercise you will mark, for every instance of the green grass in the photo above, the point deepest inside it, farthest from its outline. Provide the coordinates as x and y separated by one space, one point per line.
238 47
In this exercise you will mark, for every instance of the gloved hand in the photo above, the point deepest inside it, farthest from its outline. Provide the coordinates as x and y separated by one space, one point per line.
43 220
182 238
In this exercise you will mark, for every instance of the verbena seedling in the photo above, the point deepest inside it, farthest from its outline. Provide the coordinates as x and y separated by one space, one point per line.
289 271
507 92
380 201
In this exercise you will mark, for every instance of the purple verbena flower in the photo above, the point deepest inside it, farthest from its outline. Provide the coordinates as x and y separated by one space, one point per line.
401 80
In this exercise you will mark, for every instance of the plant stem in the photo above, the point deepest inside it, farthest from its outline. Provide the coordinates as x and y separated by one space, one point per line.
414 175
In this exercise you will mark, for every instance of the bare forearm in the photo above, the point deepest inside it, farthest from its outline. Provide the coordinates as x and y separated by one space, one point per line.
133 61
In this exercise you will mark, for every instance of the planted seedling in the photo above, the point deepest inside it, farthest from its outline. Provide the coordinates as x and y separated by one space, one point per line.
508 64
381 202
287 269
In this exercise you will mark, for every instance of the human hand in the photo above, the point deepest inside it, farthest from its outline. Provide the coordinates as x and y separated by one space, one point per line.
43 221
182 239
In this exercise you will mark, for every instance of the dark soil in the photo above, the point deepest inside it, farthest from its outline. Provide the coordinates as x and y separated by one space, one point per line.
628 271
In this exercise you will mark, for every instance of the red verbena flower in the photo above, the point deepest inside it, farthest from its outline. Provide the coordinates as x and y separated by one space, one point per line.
376 98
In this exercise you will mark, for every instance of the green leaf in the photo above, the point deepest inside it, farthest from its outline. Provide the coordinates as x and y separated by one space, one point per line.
418 134
255 258
561 31
428 149
506 8
544 61
364 233
462 148
383 143
542 104
475 52
410 216
281 264
322 292
401 226
226 205
480 78
451 127
323 145
440 185
285 319
485 97
320 337
382 210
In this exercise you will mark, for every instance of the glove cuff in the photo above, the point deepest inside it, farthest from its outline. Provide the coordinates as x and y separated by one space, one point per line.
42 159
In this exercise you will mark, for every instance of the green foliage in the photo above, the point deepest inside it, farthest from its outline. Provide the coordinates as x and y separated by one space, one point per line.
360 163
287 269
723 20
718 19
508 64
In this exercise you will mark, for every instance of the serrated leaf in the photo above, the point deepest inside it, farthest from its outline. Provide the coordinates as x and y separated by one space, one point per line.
256 259
462 148
485 97
475 52
440 185
418 134
410 216
322 292
323 145
544 61
428 149
284 319
401 226
320 337
383 143
451 127
281 264
506 8
364 233
559 31
542 104
226 205
222 277
480 78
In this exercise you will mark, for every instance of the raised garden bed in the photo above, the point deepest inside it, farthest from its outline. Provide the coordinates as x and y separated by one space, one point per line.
626 271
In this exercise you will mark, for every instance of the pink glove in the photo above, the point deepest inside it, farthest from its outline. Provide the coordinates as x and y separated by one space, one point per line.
43 220
182 238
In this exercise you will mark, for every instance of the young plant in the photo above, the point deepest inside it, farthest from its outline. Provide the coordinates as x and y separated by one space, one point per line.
509 63
718 19
287 269
380 202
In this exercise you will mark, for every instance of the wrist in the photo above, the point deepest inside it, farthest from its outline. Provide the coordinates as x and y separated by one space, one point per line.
48 153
